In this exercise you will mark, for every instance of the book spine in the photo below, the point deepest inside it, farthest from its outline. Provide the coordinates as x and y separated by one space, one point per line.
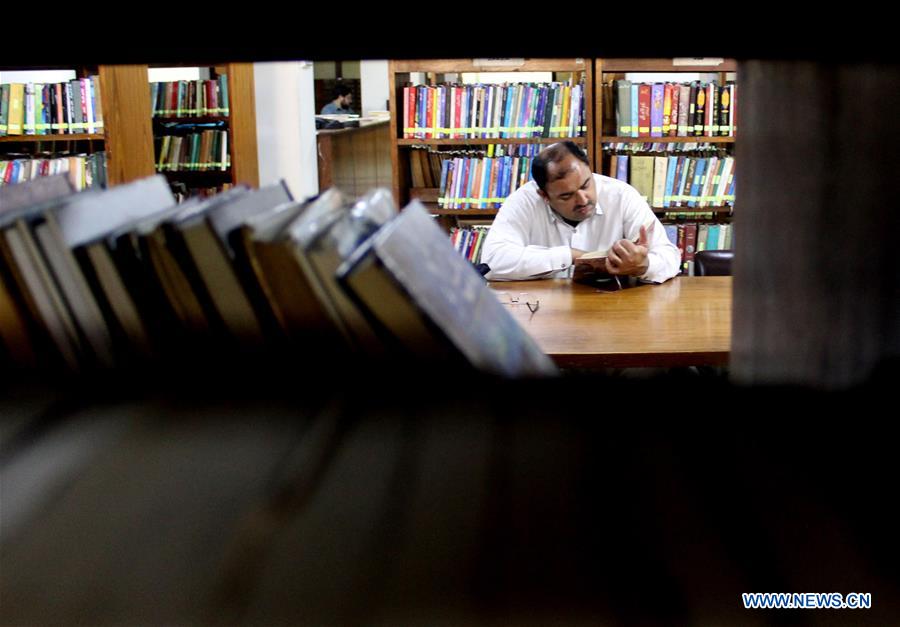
644 98
700 111
635 110
657 95
29 109
667 109
622 173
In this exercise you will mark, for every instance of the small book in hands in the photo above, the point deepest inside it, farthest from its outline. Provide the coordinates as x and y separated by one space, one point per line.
595 272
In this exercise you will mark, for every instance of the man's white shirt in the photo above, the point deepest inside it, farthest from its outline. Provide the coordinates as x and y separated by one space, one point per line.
529 240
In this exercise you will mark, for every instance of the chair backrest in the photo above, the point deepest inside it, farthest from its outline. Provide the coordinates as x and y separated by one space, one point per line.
713 262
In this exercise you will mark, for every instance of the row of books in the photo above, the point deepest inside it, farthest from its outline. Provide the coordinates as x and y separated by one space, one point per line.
198 152
126 277
659 148
675 109
677 181
199 98
426 163
83 171
692 238
468 241
74 107
476 183
503 111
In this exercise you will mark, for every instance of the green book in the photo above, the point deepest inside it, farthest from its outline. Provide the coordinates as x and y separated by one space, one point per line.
4 108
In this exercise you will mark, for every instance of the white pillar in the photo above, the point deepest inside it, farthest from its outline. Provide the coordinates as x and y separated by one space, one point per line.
373 86
285 126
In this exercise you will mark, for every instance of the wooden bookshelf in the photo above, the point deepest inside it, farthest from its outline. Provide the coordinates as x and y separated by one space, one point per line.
127 137
666 140
191 120
462 212
608 70
581 141
240 125
400 73
33 139
690 210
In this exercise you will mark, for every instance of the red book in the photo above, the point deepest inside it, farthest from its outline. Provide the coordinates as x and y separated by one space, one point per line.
59 109
412 110
84 113
673 116
681 243
492 191
405 112
173 105
457 107
644 110
429 113
690 241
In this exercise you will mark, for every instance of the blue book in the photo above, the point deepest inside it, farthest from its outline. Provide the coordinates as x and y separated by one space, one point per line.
695 185
486 182
622 168
672 233
712 237
420 112
670 180
511 91
657 94
634 109
539 112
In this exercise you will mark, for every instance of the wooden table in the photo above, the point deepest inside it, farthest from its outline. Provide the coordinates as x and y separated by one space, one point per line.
683 322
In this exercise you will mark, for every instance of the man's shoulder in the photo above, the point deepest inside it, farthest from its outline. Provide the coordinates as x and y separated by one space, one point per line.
525 198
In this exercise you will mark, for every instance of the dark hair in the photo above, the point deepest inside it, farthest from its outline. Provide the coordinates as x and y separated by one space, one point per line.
554 154
341 90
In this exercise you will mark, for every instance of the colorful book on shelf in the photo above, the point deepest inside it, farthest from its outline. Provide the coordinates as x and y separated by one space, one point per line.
622 172
16 119
660 166
671 174
725 112
657 96
4 109
667 109
642 176
635 110
644 109
700 112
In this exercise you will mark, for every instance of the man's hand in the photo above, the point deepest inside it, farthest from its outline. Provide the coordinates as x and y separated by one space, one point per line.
630 258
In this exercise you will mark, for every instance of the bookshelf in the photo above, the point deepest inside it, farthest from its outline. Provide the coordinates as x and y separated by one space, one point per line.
694 228
126 137
435 72
607 71
239 124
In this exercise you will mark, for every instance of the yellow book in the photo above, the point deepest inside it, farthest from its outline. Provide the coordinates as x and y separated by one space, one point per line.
16 109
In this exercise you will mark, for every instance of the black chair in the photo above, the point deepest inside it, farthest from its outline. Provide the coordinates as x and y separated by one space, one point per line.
713 262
